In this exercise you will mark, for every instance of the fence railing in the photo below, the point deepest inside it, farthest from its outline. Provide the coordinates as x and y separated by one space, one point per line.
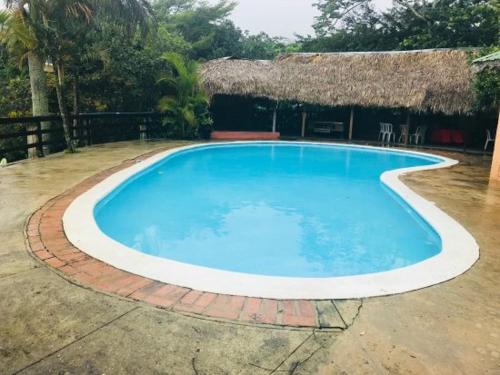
24 137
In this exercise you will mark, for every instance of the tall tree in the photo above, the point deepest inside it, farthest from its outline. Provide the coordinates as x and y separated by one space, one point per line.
19 35
444 23
262 46
356 25
342 15
199 23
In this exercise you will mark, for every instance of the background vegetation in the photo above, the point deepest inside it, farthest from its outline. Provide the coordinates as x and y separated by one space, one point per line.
130 55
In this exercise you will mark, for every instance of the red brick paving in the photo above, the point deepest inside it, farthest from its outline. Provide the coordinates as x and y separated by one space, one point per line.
298 313
199 305
47 242
43 254
251 309
269 312
54 262
226 307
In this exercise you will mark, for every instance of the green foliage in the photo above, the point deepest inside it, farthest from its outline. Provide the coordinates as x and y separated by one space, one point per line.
14 33
262 46
124 73
125 80
14 87
14 102
184 102
198 23
209 34
355 25
342 14
487 85
165 39
445 24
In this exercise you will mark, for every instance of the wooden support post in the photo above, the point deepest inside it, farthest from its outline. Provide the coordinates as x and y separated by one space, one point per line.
143 132
76 129
351 123
407 135
84 130
39 137
46 137
275 116
495 165
304 121
32 139
89 132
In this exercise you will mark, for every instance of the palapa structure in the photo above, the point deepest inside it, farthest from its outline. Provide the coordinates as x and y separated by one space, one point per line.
425 80
434 80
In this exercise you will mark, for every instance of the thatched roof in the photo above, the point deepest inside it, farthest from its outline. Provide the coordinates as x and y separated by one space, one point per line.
256 78
425 80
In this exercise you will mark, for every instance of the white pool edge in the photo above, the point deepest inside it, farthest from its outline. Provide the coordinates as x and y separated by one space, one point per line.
459 249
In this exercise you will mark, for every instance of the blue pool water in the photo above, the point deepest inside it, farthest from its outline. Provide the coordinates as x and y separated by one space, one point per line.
275 209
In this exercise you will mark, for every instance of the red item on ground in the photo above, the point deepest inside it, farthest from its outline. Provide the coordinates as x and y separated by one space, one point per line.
447 136
245 135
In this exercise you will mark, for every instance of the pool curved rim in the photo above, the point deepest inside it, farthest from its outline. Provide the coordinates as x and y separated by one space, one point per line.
459 249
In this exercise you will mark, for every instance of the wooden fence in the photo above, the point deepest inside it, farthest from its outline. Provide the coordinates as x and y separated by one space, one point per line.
24 137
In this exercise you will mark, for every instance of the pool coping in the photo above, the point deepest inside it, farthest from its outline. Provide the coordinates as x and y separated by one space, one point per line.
460 251
47 242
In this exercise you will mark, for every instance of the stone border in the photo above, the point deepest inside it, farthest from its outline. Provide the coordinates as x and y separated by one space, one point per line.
458 253
47 242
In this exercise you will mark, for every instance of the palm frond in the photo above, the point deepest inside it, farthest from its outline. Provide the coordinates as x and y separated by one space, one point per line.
14 31
189 116
128 13
177 63
168 104
80 9
168 81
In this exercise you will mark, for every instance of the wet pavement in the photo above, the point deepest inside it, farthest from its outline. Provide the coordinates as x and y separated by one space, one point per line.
49 325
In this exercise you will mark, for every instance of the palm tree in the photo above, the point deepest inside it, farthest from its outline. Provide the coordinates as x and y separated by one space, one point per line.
53 29
20 40
186 102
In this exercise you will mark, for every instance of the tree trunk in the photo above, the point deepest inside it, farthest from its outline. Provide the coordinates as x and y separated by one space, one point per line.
76 104
39 97
63 109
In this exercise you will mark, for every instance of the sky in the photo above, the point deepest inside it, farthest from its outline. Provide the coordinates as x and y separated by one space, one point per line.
280 17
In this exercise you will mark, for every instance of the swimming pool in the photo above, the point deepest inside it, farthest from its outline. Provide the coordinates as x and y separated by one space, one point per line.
274 219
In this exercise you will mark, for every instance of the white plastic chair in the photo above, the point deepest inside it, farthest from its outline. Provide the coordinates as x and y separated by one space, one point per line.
419 136
382 133
386 132
489 139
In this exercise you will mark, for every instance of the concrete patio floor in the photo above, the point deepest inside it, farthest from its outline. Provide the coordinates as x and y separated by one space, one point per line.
49 325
